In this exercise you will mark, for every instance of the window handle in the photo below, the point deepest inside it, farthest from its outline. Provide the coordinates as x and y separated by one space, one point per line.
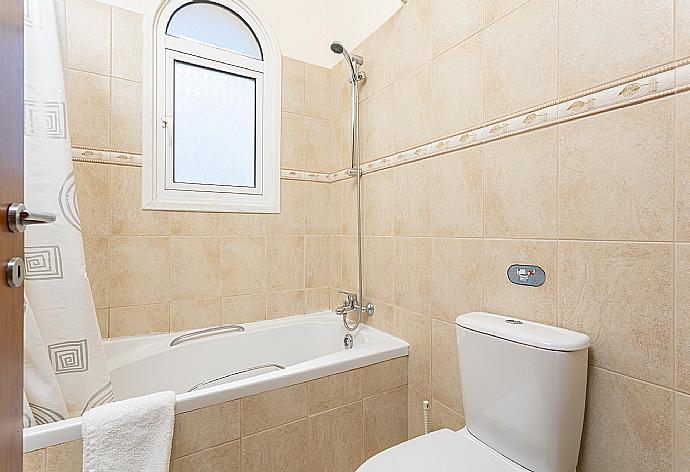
167 123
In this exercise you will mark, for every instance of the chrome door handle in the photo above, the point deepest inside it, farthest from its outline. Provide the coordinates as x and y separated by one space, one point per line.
18 217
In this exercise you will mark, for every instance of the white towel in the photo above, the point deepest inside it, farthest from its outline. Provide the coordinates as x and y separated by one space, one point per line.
131 435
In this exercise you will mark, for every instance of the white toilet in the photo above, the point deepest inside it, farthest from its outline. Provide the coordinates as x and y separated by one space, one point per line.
523 389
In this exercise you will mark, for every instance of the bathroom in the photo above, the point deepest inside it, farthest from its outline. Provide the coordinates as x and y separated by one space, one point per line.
403 163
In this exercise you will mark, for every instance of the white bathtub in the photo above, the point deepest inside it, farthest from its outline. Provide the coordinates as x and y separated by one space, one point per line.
308 347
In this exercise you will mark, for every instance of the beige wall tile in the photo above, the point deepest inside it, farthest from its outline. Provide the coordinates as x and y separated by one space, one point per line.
290 220
191 314
377 125
349 207
279 449
138 320
126 215
453 21
344 130
378 262
505 298
338 81
445 370
456 194
682 29
376 50
316 266
34 461
411 41
187 223
335 263
383 318
139 271
334 391
293 85
456 284
682 335
457 83
385 421
126 130
443 417
318 144
219 423
682 434
316 299
316 208
335 439
88 113
596 38
682 196
194 268
382 376
621 295
96 257
412 198
93 195
378 203
521 186
285 263
103 318
412 108
609 198
223 458
127 45
282 304
243 309
631 418
348 256
496 9
416 330
243 266
88 36
521 60
413 274
317 91
293 142
66 457
273 408
415 412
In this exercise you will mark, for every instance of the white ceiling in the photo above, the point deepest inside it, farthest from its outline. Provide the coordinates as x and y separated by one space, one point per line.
306 28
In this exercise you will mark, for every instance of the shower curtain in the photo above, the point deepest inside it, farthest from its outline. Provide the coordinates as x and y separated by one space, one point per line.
65 372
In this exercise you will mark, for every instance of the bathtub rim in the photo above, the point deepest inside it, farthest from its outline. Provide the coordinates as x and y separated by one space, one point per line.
389 348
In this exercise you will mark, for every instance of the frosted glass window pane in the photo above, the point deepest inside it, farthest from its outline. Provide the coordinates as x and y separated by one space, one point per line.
215 127
215 25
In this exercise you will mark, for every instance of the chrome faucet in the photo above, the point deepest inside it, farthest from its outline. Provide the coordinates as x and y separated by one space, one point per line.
351 304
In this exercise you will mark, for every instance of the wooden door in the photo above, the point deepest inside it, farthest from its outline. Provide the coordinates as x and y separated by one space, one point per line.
11 244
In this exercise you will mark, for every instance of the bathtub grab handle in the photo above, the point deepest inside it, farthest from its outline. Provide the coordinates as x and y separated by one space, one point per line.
243 371
206 332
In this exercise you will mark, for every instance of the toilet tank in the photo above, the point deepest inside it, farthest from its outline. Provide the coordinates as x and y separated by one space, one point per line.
523 388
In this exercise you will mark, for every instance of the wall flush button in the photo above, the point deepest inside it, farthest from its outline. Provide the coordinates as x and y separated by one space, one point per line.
530 275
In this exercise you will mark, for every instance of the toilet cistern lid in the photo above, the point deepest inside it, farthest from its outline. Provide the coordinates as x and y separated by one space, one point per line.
524 332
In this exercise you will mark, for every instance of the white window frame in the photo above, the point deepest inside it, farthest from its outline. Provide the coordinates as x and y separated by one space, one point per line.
159 192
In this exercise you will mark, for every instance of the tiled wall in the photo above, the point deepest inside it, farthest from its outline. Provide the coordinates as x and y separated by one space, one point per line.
600 202
329 424
158 271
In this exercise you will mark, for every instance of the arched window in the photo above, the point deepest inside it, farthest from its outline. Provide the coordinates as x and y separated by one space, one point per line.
211 109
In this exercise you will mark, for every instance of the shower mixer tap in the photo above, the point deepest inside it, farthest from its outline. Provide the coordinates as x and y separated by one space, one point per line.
351 304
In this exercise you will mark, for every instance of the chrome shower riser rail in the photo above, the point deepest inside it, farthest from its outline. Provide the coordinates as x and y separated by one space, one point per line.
202 333
243 371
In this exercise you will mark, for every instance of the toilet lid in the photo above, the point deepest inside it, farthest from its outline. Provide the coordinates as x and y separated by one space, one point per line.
441 451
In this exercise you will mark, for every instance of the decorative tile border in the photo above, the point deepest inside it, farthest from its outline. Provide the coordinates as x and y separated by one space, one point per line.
105 156
650 85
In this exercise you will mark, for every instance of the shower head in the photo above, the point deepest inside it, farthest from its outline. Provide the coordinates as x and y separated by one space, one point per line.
352 60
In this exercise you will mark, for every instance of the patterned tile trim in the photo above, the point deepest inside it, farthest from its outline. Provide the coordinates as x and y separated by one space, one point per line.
104 156
650 85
